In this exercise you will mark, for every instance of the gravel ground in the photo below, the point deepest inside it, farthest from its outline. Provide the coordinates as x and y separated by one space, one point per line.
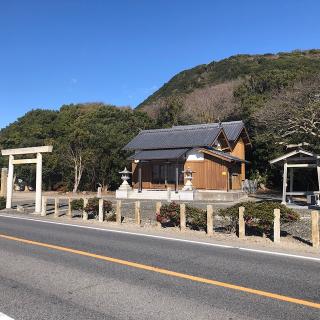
300 230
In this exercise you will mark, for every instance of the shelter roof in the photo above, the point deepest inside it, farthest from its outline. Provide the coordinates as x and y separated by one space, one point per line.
304 155
222 155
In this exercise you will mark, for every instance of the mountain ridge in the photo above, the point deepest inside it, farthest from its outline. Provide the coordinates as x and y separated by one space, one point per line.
296 64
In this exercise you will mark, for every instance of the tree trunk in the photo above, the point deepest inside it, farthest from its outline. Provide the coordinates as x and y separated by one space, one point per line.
78 170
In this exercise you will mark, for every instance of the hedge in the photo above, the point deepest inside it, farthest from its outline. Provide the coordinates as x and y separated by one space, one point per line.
259 215
169 215
2 203
77 204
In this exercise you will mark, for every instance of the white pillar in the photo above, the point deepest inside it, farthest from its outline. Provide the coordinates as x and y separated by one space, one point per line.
4 182
318 172
284 186
10 182
291 183
38 183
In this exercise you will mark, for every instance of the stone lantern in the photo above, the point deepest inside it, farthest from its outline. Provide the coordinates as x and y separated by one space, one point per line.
188 176
125 177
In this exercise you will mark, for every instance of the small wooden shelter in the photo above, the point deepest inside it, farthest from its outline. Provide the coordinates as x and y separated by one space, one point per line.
297 159
215 152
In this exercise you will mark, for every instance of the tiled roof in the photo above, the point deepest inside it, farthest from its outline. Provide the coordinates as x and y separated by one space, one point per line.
189 136
165 154
232 129
175 137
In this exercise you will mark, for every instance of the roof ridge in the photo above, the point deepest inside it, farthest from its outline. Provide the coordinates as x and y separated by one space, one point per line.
198 125
202 126
231 122
176 128
209 124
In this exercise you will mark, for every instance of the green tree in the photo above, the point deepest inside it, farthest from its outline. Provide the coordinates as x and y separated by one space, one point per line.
172 113
87 140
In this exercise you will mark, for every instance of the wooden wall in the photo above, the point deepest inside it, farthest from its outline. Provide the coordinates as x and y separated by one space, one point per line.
210 174
146 173
235 176
240 152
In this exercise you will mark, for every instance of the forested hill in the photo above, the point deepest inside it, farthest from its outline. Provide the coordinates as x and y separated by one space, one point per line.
215 90
235 67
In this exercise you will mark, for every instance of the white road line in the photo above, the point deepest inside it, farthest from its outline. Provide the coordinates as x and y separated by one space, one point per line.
167 238
4 317
120 231
280 254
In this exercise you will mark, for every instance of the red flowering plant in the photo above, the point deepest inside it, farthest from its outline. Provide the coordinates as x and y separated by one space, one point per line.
169 214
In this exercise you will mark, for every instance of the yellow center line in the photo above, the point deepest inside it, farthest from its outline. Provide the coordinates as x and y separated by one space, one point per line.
167 272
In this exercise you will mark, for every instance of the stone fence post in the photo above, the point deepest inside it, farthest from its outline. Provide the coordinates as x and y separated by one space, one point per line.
137 212
85 214
276 226
99 192
183 217
118 212
315 228
4 181
101 213
242 224
56 207
158 209
44 206
69 212
209 220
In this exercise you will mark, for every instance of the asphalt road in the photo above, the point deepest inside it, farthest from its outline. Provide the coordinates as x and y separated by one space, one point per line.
39 282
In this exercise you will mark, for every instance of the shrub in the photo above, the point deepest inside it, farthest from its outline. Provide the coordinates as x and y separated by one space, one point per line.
258 215
77 204
92 208
169 215
196 218
2 203
110 216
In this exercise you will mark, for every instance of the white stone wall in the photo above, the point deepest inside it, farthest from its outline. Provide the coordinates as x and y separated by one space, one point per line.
194 155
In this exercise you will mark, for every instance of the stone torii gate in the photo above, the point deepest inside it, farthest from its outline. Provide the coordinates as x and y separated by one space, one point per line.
38 161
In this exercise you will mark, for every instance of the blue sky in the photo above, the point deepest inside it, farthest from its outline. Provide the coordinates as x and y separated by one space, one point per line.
67 51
